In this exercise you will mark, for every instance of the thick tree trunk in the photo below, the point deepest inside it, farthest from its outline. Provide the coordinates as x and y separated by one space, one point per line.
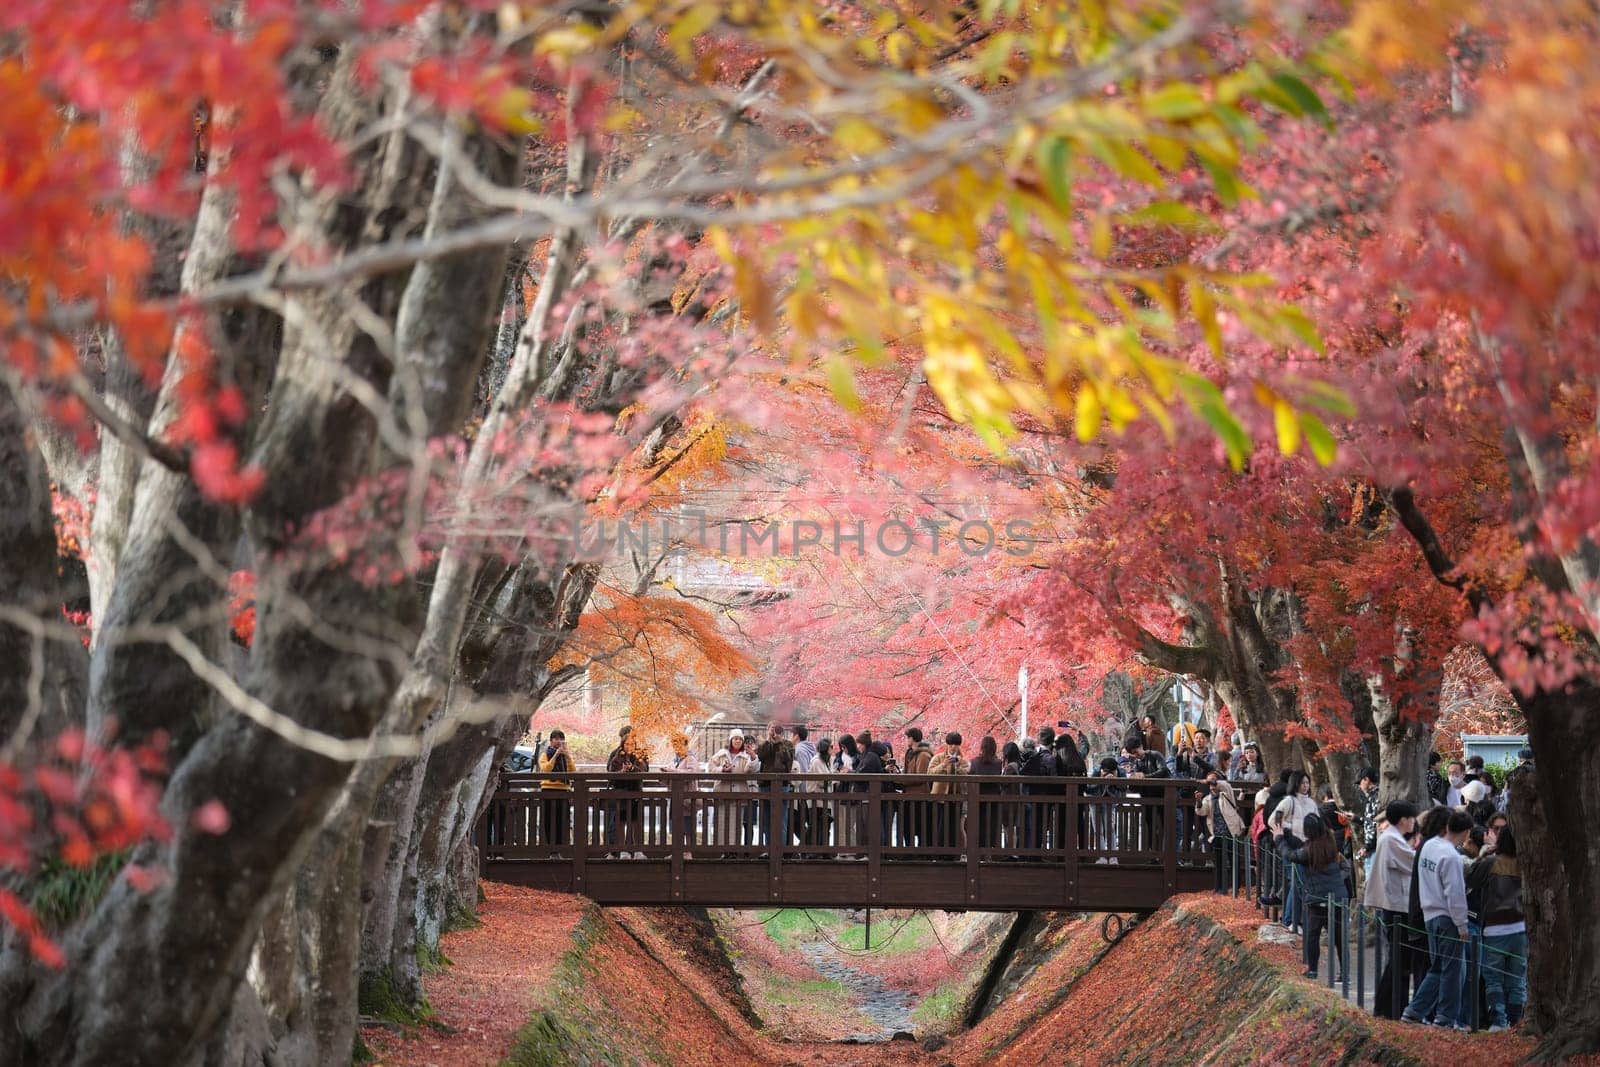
42 677
1554 809
1403 747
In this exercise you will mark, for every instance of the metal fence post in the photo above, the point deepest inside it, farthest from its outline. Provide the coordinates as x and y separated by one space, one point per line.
1399 971
1344 941
1361 957
1474 976
1332 957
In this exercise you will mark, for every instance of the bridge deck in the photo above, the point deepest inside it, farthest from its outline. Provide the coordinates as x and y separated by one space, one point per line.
982 846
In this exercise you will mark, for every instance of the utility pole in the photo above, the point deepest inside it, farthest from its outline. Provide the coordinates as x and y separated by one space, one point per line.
1022 689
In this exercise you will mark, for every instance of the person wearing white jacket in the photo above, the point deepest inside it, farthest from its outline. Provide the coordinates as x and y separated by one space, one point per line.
1389 891
1442 887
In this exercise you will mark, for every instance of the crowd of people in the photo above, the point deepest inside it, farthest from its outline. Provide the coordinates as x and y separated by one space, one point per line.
1441 882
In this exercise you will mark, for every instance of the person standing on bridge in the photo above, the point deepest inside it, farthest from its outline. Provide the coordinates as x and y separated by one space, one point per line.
852 815
1248 767
805 755
916 816
1039 761
819 810
626 817
1070 764
684 763
731 811
947 818
988 762
776 756
553 804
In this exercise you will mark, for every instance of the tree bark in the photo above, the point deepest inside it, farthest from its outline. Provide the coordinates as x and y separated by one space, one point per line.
1560 861
42 677
1560 858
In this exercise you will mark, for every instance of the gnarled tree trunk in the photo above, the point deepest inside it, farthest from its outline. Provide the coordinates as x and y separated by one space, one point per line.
1554 808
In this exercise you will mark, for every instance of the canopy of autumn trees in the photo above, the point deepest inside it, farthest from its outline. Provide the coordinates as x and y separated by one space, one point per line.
1260 336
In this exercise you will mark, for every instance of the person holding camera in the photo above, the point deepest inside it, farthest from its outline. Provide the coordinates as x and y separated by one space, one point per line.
1103 807
1219 811
1191 759
553 804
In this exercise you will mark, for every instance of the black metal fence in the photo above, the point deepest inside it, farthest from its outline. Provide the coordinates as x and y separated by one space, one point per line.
1382 957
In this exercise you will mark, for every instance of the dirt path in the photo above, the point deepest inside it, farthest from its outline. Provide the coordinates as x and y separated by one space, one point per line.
496 972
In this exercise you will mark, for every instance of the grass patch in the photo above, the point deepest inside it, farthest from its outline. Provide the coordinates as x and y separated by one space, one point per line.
544 1042
797 992
790 928
890 936
577 1026
61 894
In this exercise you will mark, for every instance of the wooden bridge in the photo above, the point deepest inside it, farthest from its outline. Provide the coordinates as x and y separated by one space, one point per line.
837 841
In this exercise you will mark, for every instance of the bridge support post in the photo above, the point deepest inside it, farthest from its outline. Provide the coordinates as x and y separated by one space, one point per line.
580 833
973 821
775 836
1169 833
678 814
1070 846
874 835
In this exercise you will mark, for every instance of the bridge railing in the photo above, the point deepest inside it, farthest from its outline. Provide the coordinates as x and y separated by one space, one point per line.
777 818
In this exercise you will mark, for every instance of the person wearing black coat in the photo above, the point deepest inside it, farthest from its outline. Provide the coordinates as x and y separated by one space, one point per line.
1324 878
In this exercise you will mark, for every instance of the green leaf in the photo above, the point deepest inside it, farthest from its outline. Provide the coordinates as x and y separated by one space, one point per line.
1298 324
1126 161
842 380
1329 398
1304 97
1321 440
1172 213
1175 102
1203 396
1234 439
1230 190
1055 162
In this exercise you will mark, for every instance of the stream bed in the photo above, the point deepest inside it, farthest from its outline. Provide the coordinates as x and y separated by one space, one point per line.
886 1006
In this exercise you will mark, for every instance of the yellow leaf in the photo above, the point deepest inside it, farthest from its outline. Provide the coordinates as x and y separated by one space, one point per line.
567 41
1087 416
1288 426
1100 236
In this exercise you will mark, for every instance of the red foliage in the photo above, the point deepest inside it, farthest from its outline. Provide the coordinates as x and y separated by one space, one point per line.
79 801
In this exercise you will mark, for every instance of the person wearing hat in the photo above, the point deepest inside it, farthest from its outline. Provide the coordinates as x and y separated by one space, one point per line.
732 812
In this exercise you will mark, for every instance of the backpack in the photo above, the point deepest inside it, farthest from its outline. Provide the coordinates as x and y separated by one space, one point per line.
1042 764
